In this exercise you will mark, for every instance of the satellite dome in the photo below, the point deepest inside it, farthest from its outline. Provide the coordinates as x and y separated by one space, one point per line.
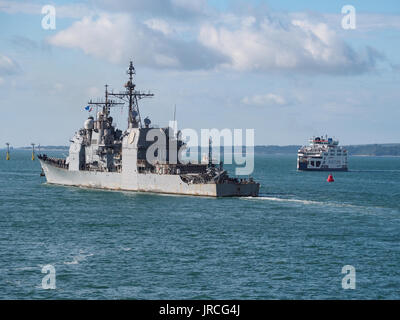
89 124
147 122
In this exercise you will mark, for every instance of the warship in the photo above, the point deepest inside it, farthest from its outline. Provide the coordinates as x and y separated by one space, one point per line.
104 157
322 154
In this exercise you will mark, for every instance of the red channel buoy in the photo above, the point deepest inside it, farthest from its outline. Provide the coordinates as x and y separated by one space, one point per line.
330 178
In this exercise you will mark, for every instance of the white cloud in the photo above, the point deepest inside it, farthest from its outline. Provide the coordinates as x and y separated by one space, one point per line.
248 21
103 37
194 6
159 25
242 42
58 86
7 65
119 38
12 7
366 22
275 44
1 81
269 99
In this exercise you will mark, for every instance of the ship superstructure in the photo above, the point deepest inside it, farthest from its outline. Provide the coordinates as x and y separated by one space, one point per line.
103 156
322 154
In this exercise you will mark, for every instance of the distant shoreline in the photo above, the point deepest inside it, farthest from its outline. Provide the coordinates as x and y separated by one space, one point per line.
372 155
366 150
370 150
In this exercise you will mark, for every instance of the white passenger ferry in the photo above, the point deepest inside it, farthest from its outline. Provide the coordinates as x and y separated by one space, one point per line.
322 154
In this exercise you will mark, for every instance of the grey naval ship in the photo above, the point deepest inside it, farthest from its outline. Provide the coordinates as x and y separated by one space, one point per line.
104 157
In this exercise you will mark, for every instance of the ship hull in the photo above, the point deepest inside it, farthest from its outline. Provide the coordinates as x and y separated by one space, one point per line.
155 183
322 169
307 166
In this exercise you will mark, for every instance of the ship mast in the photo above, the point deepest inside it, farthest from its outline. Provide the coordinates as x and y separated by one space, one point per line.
131 86
105 108
210 164
106 104
132 97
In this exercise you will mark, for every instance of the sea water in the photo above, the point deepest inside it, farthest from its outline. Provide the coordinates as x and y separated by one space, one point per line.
289 243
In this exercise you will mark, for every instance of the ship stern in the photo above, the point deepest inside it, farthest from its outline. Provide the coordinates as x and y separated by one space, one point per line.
238 189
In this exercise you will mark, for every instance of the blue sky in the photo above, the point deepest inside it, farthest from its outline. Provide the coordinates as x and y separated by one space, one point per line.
371 6
285 68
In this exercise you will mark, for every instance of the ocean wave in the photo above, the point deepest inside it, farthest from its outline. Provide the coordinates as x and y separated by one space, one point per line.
313 202
285 200
28 268
78 258
304 201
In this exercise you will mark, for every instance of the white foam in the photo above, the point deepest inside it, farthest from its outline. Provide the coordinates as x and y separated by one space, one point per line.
286 200
310 202
27 268
78 258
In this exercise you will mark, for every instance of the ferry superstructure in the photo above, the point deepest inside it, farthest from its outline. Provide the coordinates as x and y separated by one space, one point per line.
322 154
